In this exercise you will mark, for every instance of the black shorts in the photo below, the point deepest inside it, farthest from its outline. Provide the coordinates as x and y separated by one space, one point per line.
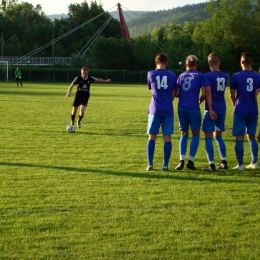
81 98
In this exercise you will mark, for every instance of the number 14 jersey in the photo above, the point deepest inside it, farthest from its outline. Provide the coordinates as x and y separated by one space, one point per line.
162 83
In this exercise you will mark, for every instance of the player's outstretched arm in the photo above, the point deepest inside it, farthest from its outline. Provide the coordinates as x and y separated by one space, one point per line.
103 80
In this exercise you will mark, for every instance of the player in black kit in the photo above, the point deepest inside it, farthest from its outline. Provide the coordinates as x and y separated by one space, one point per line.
83 93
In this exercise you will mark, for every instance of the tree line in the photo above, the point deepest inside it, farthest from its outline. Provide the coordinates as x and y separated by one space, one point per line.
231 27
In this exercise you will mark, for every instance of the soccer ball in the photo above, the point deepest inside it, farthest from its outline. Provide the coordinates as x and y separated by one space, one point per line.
70 128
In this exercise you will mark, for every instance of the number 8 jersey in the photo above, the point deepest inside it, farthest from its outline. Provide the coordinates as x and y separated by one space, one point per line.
189 83
162 83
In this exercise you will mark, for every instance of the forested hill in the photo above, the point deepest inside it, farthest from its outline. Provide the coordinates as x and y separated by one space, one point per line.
128 15
145 23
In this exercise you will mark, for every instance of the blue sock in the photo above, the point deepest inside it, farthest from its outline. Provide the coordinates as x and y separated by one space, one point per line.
183 144
167 152
221 146
254 150
194 145
239 149
209 149
150 151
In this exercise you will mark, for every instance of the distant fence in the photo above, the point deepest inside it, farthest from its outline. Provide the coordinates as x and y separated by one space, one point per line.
36 61
43 69
50 74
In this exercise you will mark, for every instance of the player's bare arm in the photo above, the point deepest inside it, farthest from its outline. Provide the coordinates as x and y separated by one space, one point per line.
213 115
256 93
103 80
175 94
258 137
69 91
203 95
232 96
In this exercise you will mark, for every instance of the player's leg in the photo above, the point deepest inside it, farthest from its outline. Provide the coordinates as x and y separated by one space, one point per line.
184 128
208 128
84 103
251 131
194 145
195 124
239 132
73 114
219 128
81 115
17 81
221 149
182 149
152 129
167 130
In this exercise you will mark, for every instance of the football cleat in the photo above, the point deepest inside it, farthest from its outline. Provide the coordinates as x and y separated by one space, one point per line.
165 168
78 124
190 165
180 165
252 166
149 168
240 168
211 167
223 165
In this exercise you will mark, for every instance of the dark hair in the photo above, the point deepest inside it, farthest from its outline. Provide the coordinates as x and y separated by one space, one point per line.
161 58
246 57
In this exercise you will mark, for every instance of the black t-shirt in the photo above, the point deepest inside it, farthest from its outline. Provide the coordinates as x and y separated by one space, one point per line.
83 84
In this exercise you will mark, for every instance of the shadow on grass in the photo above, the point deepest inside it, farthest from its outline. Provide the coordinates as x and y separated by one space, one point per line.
171 175
34 128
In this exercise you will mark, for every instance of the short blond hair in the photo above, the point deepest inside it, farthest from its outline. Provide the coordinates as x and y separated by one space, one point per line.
192 60
213 58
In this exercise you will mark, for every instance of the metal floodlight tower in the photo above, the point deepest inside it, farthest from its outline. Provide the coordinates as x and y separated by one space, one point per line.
124 29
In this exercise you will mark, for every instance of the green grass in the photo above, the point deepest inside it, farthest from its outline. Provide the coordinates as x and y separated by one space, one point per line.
87 195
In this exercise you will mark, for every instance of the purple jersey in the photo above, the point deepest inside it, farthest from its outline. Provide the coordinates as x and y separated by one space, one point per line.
161 82
217 80
189 84
245 83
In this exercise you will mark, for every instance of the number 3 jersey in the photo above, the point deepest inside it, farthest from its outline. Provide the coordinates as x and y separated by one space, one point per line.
189 84
162 83
217 80
245 83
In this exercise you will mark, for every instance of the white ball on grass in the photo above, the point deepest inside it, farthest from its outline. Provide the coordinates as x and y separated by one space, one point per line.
70 128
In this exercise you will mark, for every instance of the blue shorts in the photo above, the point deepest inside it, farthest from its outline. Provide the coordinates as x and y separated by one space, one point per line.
244 124
155 122
210 125
188 117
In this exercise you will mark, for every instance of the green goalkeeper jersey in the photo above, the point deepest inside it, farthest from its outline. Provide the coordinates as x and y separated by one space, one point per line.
18 74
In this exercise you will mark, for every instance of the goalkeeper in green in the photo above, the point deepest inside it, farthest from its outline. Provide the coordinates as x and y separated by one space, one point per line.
18 77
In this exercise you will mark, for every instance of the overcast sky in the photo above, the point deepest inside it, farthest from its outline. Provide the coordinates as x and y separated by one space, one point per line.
61 6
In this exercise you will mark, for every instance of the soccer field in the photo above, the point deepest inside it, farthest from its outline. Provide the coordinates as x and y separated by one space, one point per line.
87 195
